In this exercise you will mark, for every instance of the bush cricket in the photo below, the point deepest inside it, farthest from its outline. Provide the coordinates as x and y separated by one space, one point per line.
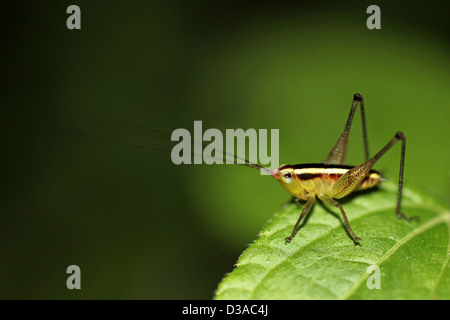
333 180
327 181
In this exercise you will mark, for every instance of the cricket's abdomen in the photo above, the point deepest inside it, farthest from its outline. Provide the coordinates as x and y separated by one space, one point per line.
320 178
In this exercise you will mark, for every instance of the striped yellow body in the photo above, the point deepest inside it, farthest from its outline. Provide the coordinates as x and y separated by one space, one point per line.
319 179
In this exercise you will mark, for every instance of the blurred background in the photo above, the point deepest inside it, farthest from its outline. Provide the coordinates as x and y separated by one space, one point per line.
140 227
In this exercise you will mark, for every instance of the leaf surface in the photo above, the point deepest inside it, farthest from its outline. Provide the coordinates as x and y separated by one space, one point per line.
322 262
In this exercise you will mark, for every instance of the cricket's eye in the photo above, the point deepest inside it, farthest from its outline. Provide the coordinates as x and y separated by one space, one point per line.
286 177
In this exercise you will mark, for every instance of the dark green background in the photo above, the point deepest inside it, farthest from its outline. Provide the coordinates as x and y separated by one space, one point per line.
141 227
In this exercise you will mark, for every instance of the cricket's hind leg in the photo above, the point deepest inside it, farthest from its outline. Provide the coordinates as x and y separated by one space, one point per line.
352 178
339 151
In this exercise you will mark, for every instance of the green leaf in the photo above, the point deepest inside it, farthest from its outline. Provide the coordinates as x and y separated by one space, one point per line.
322 262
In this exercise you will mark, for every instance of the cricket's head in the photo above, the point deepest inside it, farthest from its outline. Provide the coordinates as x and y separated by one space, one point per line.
288 179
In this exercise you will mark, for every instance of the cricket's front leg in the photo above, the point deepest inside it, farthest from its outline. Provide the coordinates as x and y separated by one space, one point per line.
308 205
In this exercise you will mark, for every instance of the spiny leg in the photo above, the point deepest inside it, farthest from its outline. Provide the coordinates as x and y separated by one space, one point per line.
399 135
333 202
352 178
305 210
339 151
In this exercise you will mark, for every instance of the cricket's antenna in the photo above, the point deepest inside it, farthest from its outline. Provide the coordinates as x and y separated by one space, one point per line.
247 163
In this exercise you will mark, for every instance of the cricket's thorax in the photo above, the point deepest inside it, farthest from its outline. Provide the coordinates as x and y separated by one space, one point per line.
318 179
